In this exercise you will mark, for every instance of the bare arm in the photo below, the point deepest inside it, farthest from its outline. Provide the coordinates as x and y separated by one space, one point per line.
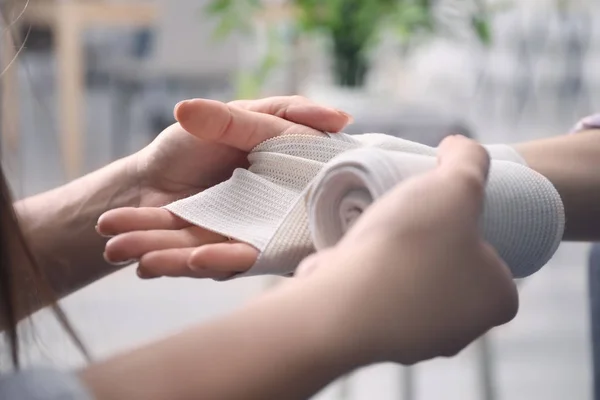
287 345
572 164
60 225
338 315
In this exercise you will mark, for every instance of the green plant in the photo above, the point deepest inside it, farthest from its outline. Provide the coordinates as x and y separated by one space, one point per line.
352 27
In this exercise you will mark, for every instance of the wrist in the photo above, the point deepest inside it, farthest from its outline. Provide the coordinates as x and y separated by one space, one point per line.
320 320
60 224
365 318
345 310
129 192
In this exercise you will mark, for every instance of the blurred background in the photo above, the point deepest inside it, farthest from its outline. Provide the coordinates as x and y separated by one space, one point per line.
96 80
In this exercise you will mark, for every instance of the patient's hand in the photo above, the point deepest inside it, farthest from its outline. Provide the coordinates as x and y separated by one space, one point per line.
166 245
210 140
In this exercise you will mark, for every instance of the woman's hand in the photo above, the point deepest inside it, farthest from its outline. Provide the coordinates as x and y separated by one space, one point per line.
210 140
413 276
411 281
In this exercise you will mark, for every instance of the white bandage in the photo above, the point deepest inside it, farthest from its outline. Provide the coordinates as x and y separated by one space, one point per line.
266 205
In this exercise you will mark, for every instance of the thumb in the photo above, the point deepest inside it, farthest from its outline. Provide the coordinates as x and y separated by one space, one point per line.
232 126
299 110
467 164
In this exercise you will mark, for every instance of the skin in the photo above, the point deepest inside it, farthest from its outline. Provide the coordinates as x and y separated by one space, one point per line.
337 315
60 224
571 164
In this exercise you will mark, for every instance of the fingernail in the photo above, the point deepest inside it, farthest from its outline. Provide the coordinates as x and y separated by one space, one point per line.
349 117
121 263
103 235
196 267
117 263
179 104
176 108
144 275
193 263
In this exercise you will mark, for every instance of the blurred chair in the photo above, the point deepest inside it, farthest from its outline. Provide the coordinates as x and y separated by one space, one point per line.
179 54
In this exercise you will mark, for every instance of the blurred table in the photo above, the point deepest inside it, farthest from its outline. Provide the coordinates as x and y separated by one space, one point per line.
68 20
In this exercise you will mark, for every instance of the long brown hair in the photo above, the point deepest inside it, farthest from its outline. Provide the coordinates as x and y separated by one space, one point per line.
23 285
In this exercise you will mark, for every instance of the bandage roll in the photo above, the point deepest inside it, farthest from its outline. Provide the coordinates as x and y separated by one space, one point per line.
523 217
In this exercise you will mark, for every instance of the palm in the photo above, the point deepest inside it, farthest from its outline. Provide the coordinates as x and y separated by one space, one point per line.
202 150
178 164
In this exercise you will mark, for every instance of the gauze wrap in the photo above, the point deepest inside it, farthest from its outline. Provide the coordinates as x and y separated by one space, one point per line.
303 192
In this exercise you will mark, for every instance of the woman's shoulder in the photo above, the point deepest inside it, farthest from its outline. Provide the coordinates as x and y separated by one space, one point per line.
42 384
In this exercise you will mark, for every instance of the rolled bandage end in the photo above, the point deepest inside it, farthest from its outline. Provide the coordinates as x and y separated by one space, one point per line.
523 216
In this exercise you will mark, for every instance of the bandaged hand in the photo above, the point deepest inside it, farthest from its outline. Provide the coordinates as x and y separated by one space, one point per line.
209 141
415 279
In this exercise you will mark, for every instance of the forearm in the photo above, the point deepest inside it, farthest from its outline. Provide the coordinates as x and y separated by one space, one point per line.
572 164
60 225
283 346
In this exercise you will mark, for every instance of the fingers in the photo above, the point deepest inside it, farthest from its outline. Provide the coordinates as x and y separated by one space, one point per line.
174 263
300 110
233 126
216 261
166 245
133 245
129 219
226 257
465 157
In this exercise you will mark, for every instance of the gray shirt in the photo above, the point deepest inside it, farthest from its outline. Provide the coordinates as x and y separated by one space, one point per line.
42 384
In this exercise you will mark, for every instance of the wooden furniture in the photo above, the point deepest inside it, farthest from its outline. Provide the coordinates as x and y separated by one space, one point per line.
68 20
9 110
